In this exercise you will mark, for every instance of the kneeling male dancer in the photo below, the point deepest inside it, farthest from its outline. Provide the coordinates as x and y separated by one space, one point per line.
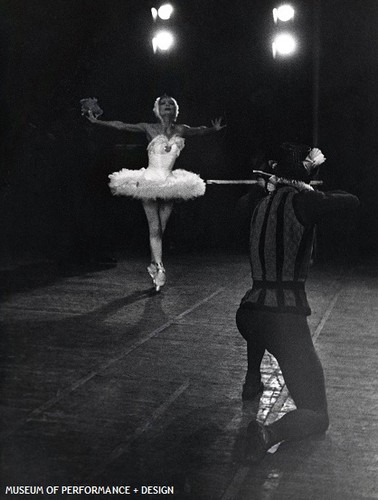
272 314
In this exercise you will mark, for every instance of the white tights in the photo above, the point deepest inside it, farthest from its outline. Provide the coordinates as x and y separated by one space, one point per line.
157 213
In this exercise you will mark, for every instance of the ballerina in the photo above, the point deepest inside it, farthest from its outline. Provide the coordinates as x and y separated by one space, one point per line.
158 185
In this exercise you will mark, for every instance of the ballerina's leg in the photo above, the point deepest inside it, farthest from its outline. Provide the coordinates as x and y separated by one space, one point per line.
155 225
151 209
165 210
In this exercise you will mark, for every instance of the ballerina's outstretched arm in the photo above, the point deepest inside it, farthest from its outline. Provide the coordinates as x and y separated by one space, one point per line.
190 131
128 127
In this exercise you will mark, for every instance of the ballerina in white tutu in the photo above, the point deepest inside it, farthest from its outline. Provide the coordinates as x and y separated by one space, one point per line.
158 185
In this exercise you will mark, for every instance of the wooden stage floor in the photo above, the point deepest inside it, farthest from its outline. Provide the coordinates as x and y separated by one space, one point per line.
104 383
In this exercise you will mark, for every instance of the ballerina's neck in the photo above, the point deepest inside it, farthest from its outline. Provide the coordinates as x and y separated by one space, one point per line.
168 128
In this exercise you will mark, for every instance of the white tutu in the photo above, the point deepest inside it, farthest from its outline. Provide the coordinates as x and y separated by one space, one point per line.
158 180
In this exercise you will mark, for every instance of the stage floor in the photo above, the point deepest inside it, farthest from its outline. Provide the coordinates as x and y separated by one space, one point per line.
104 382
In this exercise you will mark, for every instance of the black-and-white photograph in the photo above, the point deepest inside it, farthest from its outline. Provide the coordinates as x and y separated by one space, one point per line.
189 249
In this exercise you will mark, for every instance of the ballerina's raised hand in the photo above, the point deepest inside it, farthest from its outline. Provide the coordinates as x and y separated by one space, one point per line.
217 124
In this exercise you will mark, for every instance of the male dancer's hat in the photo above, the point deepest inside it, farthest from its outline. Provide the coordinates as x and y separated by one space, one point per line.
297 162
290 162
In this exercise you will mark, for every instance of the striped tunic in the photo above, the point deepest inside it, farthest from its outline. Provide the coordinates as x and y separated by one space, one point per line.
280 252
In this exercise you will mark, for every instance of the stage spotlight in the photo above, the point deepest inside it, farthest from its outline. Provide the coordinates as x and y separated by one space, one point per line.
154 13
165 11
283 13
284 44
163 40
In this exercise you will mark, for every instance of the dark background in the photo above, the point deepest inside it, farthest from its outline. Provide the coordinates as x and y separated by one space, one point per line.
54 199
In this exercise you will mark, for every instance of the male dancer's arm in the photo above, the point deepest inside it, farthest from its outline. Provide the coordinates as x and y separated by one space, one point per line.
311 206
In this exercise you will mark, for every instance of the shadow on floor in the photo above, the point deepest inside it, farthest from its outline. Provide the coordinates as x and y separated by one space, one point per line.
38 274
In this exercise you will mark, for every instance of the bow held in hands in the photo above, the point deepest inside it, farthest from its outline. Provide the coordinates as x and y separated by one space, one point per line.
90 108
217 124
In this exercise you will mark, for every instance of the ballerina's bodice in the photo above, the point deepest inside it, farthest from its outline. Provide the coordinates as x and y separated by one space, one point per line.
162 154
158 181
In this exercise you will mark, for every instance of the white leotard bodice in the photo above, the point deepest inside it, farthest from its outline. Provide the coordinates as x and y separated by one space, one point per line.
159 181
162 154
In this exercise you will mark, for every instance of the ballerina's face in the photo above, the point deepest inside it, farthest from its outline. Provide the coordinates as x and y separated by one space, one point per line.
167 106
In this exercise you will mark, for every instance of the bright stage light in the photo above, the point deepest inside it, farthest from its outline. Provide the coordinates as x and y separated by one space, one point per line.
165 11
163 40
283 13
154 13
284 44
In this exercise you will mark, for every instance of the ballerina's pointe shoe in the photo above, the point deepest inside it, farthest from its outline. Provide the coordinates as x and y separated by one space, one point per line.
152 271
160 277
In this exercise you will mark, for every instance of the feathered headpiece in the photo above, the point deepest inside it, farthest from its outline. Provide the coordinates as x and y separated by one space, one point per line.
155 109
